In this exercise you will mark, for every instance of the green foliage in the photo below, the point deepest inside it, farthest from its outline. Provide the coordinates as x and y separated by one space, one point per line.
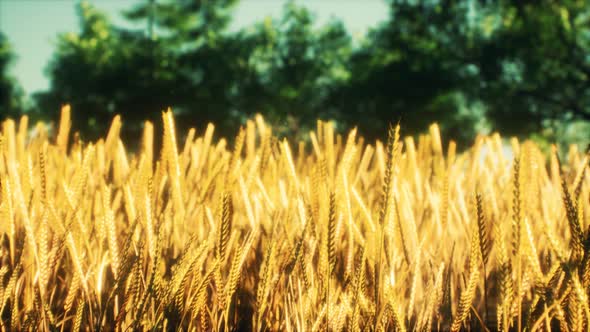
11 94
473 66
103 70
297 66
210 64
415 68
534 64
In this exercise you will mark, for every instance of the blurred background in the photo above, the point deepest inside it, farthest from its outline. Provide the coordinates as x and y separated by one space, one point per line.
473 66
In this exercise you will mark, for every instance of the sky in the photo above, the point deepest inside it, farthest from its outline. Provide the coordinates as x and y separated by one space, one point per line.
32 25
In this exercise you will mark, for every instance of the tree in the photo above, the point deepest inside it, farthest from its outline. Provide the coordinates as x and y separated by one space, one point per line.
104 70
186 59
534 64
414 68
10 92
298 65
515 66
210 63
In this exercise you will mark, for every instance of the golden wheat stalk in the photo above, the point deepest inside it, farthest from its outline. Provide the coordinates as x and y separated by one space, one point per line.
469 292
342 233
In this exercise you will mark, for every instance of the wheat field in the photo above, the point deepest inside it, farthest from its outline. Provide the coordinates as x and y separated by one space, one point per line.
270 235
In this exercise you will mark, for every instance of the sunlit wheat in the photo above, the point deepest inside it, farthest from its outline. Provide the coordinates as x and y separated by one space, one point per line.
261 233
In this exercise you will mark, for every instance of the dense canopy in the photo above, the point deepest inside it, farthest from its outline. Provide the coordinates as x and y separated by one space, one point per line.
521 67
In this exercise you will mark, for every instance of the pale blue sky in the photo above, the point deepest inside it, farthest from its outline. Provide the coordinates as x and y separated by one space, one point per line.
32 25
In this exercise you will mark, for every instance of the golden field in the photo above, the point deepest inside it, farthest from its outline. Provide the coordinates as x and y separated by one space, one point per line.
269 235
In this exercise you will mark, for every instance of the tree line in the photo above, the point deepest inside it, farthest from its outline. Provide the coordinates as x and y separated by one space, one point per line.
521 67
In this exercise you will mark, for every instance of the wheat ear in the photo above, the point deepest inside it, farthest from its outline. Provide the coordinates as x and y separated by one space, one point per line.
392 139
469 292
